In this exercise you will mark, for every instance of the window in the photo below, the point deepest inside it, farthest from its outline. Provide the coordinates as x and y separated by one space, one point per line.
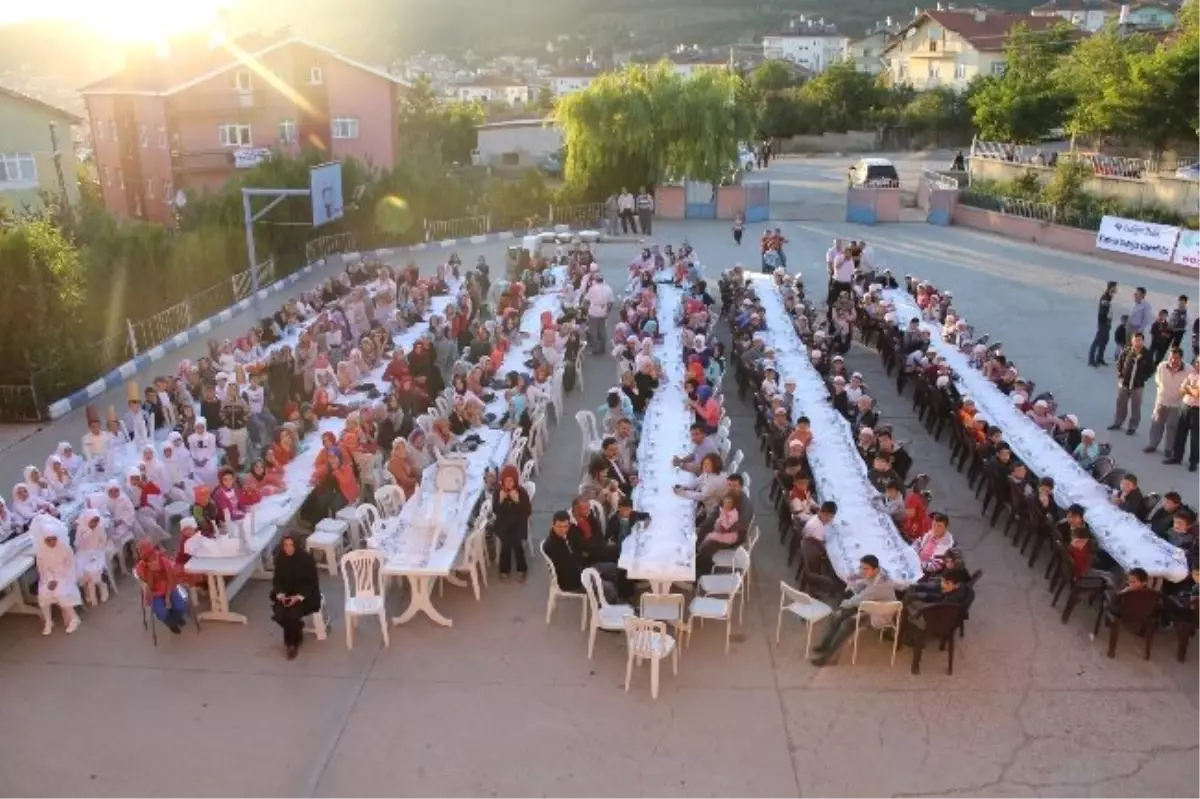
510 159
315 76
345 128
287 131
960 71
112 129
234 134
168 191
162 137
17 168
934 71
998 68
149 188
903 70
241 80
143 137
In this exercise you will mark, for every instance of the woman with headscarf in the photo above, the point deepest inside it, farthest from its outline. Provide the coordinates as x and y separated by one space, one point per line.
156 472
58 479
419 454
148 501
25 506
71 461
334 487
202 445
91 552
400 467
161 578
57 581
707 409
178 464
7 526
512 509
295 592
39 487
442 437
121 513
261 482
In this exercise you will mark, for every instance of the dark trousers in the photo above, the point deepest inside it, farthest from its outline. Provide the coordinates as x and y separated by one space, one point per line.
644 222
1188 427
1096 351
838 628
291 618
628 224
737 237
704 555
512 550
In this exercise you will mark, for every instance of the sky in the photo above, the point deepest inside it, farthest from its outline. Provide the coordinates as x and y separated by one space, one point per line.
123 20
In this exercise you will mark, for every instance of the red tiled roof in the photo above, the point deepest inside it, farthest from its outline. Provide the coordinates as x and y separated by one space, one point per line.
36 103
990 32
151 74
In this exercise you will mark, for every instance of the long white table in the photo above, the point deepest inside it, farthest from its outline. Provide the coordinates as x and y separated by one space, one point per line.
861 527
16 559
663 551
1130 542
422 543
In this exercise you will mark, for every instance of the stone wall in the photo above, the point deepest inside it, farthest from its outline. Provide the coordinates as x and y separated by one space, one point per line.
853 141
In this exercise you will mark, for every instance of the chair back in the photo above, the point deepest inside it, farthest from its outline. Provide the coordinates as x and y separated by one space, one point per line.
741 560
593 586
549 566
425 422
588 426
359 570
597 507
672 601
527 470
736 463
473 546
876 609
1102 466
641 635
1138 608
751 541
530 489
367 516
1113 478
941 619
789 595
390 499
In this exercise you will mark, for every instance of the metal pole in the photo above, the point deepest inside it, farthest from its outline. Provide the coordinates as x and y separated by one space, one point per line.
132 336
251 255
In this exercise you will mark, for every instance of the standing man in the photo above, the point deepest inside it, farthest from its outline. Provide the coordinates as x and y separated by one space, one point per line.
1103 326
1141 316
1179 322
1189 420
831 257
1168 399
1134 367
843 276
645 211
625 207
867 263
600 300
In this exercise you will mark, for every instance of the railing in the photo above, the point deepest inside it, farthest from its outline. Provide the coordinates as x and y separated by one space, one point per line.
1030 209
19 404
458 228
1113 166
323 246
584 215
939 181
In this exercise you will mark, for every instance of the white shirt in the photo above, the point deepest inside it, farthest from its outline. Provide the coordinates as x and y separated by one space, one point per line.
868 259
831 255
254 398
95 445
600 299
814 528
843 269
625 202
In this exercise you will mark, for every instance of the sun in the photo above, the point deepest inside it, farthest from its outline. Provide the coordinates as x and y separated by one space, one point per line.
141 20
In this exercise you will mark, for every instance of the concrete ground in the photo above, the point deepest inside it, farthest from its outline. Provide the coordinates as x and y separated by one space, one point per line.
503 704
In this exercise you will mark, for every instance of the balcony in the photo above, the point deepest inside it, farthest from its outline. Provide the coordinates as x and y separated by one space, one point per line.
229 103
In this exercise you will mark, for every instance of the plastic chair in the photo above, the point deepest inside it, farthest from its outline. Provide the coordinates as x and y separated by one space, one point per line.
870 607
604 616
472 561
389 500
556 394
328 538
149 620
802 606
716 608
736 463
648 640
527 470
367 516
667 608
366 597
557 593
590 432
724 559
728 583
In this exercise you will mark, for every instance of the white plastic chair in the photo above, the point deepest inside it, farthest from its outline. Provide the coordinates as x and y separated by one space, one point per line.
736 463
598 507
604 616
557 593
367 516
724 559
726 444
318 623
667 608
389 500
715 608
727 583
591 435
328 538
647 639
871 608
527 470
367 595
472 561
556 394
579 367
425 422
802 606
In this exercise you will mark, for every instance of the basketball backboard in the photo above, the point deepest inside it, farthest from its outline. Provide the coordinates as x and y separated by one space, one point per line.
325 185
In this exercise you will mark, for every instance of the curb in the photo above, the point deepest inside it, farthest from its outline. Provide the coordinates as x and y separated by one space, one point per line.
126 371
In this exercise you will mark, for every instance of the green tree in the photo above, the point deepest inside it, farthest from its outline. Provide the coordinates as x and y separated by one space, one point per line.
1027 101
939 109
545 100
646 125
1164 87
1094 78
428 124
845 96
773 75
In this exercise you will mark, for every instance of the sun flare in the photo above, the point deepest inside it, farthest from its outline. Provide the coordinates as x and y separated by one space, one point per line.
138 20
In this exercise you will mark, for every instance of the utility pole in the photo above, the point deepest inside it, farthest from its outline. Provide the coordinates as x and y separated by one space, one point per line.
64 201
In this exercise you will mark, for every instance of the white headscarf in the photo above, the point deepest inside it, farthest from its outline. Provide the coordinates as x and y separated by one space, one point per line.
120 507
60 487
87 538
72 462
58 558
156 470
23 510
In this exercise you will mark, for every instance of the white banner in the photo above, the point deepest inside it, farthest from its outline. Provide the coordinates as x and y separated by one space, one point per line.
1143 239
1187 251
250 157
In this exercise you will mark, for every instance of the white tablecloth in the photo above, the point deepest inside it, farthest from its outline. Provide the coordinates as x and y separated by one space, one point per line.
411 544
665 548
861 527
531 329
1130 542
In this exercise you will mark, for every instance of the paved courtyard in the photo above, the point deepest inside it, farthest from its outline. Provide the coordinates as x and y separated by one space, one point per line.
503 704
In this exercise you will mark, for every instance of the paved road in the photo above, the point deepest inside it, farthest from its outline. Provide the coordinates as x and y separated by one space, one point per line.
503 704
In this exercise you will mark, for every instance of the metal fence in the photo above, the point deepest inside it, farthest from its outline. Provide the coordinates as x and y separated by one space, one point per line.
323 246
19 404
463 228
939 181
1030 209
1048 155
584 215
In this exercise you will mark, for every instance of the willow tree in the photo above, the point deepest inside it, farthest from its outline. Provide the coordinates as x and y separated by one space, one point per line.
645 126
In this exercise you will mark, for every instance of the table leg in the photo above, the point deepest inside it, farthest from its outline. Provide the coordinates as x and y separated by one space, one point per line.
421 601
219 602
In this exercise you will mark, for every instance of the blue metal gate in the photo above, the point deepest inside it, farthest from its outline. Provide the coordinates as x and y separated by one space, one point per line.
758 201
700 200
